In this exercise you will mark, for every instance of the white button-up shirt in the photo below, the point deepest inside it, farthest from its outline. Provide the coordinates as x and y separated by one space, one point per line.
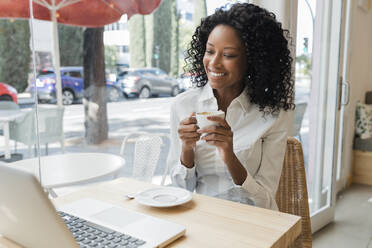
259 143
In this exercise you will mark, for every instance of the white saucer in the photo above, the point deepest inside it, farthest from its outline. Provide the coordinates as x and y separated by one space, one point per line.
163 197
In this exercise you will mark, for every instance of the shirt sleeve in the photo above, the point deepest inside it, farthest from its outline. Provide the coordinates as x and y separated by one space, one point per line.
264 184
181 176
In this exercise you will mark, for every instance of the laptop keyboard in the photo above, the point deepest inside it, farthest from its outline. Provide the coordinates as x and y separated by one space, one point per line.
89 234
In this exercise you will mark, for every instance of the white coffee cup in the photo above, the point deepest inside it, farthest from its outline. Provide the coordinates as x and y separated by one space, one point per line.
202 121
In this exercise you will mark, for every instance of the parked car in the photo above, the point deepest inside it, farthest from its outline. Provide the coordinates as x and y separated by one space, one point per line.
147 82
8 93
72 86
184 82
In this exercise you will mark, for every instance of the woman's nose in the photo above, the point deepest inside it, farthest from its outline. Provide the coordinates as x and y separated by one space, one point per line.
215 60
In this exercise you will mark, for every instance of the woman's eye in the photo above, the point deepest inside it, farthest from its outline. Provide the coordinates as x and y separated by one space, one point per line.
209 51
229 55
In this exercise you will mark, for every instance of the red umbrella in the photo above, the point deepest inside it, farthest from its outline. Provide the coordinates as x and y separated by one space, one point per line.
88 13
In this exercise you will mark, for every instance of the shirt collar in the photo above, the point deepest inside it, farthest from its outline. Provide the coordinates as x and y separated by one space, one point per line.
207 93
242 99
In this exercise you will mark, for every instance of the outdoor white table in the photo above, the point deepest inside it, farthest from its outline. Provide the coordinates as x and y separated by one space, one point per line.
71 168
7 116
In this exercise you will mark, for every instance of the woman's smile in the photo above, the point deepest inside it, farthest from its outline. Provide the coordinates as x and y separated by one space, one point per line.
216 75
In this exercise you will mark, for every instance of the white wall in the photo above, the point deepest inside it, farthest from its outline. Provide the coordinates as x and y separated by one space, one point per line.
281 8
360 75
116 37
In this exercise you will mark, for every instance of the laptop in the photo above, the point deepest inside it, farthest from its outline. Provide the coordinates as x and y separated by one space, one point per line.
29 218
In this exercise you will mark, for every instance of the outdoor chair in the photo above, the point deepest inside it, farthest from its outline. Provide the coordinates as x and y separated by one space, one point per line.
291 196
298 116
362 145
8 105
147 148
50 128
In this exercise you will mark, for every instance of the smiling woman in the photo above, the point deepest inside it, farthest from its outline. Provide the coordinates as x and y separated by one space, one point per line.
242 64
224 63
264 44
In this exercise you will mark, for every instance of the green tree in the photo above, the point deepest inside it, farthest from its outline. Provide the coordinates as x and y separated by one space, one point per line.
111 58
162 36
305 64
149 23
185 35
200 11
15 53
95 108
71 45
137 43
174 54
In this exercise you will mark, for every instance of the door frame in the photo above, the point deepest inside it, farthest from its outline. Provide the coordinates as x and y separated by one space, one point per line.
324 118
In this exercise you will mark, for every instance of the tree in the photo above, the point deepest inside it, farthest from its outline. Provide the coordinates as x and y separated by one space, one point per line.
70 45
15 53
162 36
157 45
137 43
111 58
174 54
185 35
304 61
96 126
200 11
149 23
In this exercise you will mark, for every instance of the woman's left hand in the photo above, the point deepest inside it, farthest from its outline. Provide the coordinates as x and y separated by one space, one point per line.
220 136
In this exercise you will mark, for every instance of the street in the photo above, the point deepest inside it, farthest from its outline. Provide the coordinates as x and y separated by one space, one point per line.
149 115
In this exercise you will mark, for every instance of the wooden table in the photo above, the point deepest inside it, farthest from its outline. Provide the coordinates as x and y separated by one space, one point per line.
210 222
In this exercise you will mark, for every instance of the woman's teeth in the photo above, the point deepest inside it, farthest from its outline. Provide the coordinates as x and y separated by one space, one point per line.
214 74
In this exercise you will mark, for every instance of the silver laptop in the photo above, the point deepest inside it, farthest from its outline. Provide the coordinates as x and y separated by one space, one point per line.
29 218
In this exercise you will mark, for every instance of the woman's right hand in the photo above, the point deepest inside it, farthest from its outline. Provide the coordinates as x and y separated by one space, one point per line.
187 132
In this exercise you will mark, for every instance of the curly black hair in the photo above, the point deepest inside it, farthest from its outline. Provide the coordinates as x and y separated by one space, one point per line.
268 73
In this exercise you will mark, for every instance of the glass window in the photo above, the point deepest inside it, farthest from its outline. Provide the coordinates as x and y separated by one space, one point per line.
45 72
138 43
76 74
160 73
147 73
122 74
